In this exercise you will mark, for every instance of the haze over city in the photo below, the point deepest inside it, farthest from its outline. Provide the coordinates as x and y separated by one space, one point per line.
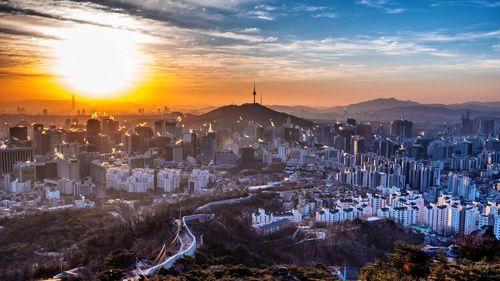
210 52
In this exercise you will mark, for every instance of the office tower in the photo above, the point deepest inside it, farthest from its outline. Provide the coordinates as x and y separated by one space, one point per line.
339 142
351 121
173 152
291 134
41 141
68 168
173 128
247 156
110 127
332 154
132 143
37 127
366 131
467 124
11 155
159 127
19 133
93 127
84 160
93 131
24 171
189 145
358 145
487 126
402 129
75 136
144 134
385 148
208 148
225 157
347 132
222 138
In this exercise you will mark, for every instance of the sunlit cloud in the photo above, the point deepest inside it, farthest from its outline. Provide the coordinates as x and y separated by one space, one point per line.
232 41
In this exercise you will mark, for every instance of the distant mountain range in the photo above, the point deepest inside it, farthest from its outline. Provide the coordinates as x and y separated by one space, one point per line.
391 108
381 109
233 113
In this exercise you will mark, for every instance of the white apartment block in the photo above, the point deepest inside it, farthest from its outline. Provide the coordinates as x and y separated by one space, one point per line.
471 219
496 226
169 179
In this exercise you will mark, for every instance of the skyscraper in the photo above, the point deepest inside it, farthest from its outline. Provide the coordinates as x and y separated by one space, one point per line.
11 155
402 128
208 148
18 133
467 124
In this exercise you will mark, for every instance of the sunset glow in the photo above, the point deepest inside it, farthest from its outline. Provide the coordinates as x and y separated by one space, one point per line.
97 62
205 53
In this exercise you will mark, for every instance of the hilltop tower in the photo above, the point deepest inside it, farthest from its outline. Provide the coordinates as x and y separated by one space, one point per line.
254 93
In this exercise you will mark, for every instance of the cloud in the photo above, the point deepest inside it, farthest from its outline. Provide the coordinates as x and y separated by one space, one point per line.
468 36
191 40
262 15
394 10
239 36
251 30
385 5
331 15
373 3
476 3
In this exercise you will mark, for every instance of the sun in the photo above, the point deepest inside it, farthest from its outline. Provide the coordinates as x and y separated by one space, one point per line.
97 62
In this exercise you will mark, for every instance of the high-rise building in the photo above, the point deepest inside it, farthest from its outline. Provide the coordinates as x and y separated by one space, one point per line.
93 127
11 155
208 148
159 127
402 128
189 145
471 219
68 168
487 126
24 171
173 128
168 179
467 124
358 145
385 148
19 133
247 156
365 130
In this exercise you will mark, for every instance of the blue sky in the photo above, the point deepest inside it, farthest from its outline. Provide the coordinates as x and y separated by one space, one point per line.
343 51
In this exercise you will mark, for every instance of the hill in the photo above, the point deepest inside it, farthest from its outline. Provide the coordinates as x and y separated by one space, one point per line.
387 109
255 112
374 105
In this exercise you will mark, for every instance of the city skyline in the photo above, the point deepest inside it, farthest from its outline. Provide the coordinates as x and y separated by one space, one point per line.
311 53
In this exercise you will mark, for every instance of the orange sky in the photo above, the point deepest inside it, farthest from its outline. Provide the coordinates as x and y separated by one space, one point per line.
53 50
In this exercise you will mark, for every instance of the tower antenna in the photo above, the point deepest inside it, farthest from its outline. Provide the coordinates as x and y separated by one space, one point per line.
254 93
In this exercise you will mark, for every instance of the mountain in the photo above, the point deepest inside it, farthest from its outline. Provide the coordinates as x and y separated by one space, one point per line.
330 112
386 109
232 113
374 105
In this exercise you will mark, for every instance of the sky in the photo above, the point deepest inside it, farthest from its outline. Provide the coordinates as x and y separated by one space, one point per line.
210 52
